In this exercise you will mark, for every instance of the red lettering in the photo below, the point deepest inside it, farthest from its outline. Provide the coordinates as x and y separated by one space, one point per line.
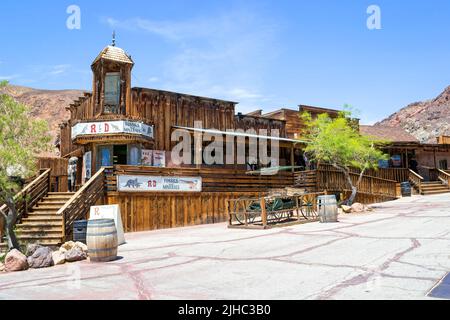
106 127
93 129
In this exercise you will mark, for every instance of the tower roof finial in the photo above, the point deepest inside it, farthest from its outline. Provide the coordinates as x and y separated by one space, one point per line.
114 38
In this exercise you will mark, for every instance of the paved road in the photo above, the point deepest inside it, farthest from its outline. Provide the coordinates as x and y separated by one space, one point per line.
399 251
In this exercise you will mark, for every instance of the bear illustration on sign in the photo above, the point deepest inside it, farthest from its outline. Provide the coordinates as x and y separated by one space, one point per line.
133 183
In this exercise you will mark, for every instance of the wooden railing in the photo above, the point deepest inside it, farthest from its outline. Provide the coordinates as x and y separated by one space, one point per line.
31 194
79 204
396 174
444 177
306 179
329 178
416 180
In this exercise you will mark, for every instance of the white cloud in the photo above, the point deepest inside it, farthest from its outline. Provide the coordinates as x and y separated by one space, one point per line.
223 56
9 77
59 69
153 79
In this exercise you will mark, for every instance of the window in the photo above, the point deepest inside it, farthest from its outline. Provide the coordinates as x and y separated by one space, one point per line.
443 164
112 92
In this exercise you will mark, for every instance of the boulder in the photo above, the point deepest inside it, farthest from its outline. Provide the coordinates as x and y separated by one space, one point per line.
82 246
41 258
31 248
58 257
346 209
358 207
75 254
62 250
15 261
68 245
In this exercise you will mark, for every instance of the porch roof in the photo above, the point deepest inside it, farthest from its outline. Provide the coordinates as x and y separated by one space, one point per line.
240 134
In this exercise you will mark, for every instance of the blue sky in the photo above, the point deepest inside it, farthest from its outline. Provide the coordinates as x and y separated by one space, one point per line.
263 54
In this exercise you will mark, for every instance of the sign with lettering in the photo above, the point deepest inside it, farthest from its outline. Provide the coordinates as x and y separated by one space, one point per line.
109 212
147 157
111 127
127 183
159 158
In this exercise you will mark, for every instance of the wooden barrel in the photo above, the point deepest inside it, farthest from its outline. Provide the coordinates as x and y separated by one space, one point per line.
327 208
101 240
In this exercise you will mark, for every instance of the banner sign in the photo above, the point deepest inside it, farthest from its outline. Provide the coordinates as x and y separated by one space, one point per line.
110 127
156 183
87 166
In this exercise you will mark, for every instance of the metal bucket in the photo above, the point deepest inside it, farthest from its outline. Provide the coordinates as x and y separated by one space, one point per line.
327 208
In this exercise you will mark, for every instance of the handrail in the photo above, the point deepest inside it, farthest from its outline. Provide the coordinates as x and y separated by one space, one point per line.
416 179
82 200
444 177
29 188
416 174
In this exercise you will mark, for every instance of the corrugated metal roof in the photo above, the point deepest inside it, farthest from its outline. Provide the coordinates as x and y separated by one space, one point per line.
114 54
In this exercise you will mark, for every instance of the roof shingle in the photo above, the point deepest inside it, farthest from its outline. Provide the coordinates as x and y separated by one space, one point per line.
114 54
394 134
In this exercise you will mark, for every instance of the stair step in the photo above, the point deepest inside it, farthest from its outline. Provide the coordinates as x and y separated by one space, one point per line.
47 207
39 228
435 192
61 193
41 219
52 201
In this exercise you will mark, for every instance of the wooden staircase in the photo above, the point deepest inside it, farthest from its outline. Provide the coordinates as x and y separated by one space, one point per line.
48 217
43 224
441 185
434 187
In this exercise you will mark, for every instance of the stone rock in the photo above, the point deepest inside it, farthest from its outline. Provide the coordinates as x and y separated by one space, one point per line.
62 250
82 246
68 245
346 209
31 248
41 258
15 261
358 207
75 254
58 257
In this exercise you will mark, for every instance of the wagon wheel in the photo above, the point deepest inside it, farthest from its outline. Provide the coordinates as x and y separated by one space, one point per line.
308 206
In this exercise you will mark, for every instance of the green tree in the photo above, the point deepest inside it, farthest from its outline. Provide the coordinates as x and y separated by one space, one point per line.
337 142
21 139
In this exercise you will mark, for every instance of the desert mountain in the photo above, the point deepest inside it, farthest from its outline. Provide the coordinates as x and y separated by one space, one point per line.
49 105
425 120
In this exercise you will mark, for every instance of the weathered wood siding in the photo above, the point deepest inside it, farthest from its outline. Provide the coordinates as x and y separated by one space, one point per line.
141 212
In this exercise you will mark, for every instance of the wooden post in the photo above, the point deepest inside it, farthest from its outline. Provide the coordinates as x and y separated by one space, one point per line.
263 212
292 158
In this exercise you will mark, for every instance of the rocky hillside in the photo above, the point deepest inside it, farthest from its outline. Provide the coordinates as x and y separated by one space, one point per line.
49 105
425 120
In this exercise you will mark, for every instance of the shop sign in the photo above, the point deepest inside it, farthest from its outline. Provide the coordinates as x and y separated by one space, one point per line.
127 183
112 127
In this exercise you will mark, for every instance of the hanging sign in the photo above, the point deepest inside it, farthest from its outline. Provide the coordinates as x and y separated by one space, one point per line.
111 127
87 166
127 183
